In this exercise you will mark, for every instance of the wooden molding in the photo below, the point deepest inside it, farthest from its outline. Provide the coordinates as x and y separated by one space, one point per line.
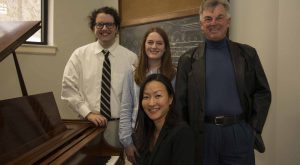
161 17
137 12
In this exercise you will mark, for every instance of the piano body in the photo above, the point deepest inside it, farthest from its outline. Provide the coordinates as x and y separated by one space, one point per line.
31 130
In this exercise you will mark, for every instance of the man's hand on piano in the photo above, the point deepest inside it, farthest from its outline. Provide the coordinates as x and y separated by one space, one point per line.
131 152
97 119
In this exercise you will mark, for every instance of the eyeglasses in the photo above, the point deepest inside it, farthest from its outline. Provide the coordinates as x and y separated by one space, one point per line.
108 25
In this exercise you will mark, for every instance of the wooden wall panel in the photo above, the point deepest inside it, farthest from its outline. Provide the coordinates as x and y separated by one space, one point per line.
135 12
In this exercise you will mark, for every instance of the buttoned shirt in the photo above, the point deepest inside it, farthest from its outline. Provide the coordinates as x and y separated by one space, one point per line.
81 84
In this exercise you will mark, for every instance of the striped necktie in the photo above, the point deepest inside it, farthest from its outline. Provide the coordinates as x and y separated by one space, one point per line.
105 87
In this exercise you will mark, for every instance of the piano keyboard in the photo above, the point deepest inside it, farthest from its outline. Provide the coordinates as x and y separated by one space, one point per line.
113 160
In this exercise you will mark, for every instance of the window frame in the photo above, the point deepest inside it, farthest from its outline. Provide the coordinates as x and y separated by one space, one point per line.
44 25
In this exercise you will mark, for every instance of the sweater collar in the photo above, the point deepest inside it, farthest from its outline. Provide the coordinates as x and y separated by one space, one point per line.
216 44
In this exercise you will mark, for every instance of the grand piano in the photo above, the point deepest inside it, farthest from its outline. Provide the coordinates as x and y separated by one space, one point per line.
31 129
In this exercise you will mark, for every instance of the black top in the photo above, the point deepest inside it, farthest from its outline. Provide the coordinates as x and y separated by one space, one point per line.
174 146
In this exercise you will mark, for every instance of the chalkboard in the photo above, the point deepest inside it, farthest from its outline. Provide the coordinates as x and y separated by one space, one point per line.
184 33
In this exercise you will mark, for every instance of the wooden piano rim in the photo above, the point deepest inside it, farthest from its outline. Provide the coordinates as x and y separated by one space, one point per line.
82 135
72 148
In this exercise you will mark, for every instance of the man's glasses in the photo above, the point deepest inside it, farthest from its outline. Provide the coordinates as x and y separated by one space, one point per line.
108 25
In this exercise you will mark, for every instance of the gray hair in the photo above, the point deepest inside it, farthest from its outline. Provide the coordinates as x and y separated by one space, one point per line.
212 4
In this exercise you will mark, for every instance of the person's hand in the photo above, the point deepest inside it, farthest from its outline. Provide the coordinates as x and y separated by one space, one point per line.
131 152
97 119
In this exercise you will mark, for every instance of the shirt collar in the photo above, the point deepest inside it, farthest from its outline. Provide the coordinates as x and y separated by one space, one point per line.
111 49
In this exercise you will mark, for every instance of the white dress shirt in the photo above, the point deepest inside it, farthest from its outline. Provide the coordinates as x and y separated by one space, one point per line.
81 84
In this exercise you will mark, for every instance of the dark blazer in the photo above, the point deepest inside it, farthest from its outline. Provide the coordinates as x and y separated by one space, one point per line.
174 146
252 84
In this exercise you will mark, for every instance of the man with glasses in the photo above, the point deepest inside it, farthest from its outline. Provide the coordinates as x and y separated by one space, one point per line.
93 76
222 92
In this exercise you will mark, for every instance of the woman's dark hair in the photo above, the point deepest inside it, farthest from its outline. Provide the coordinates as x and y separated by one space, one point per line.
144 128
166 67
107 10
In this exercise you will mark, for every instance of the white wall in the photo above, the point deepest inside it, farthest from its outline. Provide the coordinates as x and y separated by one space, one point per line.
288 83
271 26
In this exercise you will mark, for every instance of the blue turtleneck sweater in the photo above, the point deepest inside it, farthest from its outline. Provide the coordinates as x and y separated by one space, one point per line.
221 90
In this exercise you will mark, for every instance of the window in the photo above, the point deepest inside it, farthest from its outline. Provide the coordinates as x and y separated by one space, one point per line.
27 10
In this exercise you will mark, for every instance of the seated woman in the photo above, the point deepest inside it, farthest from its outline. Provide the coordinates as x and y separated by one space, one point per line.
160 136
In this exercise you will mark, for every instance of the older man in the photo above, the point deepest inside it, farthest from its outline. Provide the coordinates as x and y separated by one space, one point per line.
222 92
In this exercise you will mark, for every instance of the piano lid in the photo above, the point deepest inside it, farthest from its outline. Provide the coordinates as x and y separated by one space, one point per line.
12 35
27 122
15 33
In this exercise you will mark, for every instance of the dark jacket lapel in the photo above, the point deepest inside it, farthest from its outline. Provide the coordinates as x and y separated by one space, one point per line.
198 68
163 134
239 65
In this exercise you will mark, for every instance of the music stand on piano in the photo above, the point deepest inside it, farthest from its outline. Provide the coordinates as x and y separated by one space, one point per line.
31 130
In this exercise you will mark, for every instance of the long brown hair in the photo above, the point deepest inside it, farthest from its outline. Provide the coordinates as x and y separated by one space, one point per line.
166 67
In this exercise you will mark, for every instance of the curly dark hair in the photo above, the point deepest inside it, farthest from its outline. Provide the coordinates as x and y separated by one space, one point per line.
107 10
